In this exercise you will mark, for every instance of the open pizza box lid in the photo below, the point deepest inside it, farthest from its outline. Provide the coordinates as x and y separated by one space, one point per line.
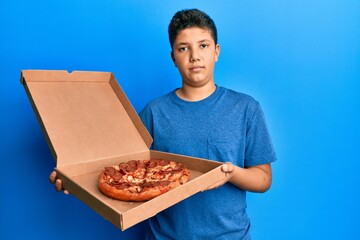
89 123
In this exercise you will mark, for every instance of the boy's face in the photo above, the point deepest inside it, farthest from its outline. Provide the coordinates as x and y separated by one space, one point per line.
194 54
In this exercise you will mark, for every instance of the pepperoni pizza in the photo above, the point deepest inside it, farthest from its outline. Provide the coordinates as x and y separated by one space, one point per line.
141 180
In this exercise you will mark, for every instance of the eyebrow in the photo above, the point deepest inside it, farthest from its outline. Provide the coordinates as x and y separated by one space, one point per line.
186 43
204 40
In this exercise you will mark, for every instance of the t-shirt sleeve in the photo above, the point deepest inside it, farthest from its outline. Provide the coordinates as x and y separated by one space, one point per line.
147 118
259 147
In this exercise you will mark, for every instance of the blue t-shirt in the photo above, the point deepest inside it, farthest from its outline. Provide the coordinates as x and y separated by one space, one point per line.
227 126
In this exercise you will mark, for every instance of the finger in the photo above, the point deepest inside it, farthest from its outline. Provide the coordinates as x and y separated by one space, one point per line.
52 177
58 185
66 192
227 167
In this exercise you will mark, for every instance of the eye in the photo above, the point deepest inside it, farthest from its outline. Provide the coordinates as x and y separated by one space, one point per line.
204 45
182 49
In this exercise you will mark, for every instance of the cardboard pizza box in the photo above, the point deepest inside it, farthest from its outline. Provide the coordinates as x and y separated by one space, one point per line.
89 123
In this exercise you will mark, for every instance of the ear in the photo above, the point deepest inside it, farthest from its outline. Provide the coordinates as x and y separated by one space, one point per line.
172 57
217 52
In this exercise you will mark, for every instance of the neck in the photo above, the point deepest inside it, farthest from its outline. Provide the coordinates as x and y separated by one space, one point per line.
193 94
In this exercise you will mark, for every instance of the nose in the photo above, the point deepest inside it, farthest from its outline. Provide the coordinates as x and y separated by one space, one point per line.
194 55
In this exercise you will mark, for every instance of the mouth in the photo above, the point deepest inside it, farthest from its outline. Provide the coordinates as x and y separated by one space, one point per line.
196 68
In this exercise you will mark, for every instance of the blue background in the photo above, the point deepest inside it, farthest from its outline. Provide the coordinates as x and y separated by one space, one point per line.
300 59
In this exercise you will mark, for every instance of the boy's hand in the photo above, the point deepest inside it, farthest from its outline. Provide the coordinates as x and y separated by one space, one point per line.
57 182
228 169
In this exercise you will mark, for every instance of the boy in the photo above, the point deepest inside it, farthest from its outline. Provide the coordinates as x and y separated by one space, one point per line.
204 120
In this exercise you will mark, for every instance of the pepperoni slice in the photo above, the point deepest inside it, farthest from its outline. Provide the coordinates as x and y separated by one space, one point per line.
117 176
110 170
152 164
164 162
122 171
132 163
131 168
164 183
141 165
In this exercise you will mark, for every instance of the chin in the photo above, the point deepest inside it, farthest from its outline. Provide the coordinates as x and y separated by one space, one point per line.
199 82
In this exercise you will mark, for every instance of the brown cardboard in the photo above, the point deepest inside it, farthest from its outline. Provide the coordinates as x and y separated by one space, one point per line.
89 123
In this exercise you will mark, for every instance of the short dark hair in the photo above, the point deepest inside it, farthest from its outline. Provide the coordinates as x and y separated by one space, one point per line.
190 18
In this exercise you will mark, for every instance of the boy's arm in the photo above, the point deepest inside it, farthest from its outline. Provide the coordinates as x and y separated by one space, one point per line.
254 179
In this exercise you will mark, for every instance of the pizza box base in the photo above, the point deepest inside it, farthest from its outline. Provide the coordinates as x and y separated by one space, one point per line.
90 124
83 184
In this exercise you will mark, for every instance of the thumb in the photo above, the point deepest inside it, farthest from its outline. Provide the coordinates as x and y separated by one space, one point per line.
227 167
